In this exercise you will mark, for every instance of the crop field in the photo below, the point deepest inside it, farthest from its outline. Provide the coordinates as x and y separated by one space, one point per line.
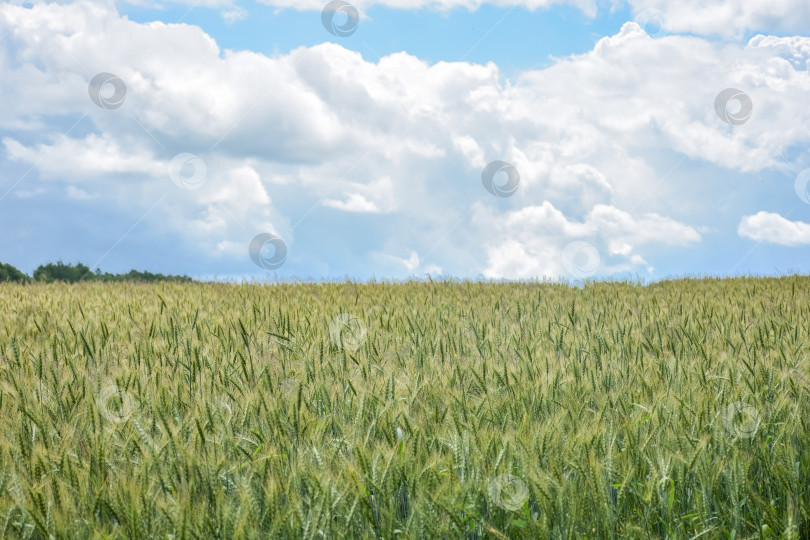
679 409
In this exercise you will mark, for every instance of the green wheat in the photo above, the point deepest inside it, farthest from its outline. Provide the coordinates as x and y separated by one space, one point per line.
460 410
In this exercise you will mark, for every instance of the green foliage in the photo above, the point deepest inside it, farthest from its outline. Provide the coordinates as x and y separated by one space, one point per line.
59 271
69 273
134 275
463 410
9 273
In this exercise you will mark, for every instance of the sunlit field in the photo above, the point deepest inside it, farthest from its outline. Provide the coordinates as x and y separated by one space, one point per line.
417 410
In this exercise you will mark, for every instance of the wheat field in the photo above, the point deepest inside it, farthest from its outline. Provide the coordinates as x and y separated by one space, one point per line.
411 410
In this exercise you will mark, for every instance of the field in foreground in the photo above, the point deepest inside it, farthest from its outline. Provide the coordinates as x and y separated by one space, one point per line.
419 410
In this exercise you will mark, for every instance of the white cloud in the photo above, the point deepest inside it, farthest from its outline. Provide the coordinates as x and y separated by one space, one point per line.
235 15
530 242
240 184
730 18
154 4
354 203
78 194
586 134
374 198
29 194
92 156
231 204
515 260
413 265
234 249
774 229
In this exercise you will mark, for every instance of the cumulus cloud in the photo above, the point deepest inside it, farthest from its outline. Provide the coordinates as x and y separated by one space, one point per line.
85 158
234 15
400 138
531 242
354 203
79 194
375 197
774 229
730 18
413 264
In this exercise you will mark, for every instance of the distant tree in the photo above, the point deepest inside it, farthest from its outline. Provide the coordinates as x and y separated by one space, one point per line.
60 271
9 273
69 273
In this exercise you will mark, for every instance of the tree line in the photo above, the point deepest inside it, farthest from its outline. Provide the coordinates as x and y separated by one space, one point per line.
74 273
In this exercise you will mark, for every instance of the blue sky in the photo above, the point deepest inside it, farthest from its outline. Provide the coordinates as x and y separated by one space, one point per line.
363 155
